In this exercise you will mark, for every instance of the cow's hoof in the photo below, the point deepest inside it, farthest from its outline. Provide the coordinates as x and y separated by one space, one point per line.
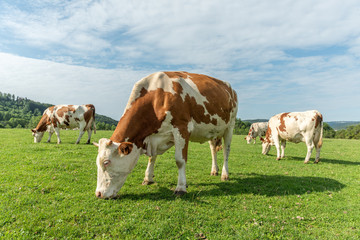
317 161
224 178
306 162
214 173
278 159
179 193
147 182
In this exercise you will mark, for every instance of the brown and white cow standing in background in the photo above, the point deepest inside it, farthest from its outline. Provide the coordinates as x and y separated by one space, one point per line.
295 127
167 109
257 129
66 116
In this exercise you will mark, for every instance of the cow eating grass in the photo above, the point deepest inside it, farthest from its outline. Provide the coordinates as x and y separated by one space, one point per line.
167 109
66 116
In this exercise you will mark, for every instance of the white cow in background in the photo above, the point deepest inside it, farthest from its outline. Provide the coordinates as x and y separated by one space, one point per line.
295 127
257 129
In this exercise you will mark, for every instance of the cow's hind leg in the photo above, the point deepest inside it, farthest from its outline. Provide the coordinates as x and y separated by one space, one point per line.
227 142
310 146
89 131
149 173
214 166
57 132
283 145
80 136
181 149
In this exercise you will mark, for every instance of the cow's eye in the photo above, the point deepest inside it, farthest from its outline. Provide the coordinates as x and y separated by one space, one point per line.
107 162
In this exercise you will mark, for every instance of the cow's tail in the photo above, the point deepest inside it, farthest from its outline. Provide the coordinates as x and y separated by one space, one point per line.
320 141
93 122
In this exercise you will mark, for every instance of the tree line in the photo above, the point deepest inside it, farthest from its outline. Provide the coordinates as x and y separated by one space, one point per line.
18 112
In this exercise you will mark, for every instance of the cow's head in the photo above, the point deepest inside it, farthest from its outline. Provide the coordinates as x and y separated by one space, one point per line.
114 162
266 145
37 135
248 139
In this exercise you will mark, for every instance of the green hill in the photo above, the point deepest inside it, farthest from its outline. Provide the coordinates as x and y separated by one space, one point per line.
18 112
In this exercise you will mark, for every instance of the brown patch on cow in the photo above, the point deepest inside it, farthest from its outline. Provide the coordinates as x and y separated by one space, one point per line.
216 93
64 110
44 121
282 126
268 135
148 111
77 119
183 75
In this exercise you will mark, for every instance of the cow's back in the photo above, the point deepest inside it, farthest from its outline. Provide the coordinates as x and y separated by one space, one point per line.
195 104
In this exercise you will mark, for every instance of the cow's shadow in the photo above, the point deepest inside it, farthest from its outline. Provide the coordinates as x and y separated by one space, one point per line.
324 160
256 184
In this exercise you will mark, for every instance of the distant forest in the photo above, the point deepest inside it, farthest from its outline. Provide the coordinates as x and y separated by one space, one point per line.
18 112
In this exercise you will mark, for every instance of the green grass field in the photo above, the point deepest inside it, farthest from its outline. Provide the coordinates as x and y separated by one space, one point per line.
48 192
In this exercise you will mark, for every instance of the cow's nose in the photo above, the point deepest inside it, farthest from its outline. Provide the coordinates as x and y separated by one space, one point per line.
99 194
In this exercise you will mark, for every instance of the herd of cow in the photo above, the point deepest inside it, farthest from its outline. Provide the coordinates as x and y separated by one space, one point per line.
168 109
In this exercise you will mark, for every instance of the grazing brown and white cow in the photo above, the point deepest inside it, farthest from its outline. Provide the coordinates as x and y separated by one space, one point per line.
66 116
167 109
257 129
295 127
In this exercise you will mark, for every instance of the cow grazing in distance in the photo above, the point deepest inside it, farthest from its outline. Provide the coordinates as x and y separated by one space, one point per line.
295 127
167 109
66 116
257 129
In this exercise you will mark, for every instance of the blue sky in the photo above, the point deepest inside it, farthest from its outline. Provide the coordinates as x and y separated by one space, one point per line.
278 55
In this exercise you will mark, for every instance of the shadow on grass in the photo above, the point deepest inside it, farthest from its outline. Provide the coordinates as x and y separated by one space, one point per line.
265 185
324 160
274 185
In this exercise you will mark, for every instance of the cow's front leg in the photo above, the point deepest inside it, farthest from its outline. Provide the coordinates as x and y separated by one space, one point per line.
214 166
149 173
181 149
57 132
50 134
277 145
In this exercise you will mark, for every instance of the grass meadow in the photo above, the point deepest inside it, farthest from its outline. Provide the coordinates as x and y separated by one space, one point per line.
47 191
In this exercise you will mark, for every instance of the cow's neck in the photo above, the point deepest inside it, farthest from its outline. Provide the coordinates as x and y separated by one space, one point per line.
138 122
42 125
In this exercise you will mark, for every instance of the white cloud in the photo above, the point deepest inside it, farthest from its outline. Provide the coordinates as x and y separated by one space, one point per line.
58 83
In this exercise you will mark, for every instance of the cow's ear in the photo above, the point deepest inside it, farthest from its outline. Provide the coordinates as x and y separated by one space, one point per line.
96 144
262 139
33 130
125 148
